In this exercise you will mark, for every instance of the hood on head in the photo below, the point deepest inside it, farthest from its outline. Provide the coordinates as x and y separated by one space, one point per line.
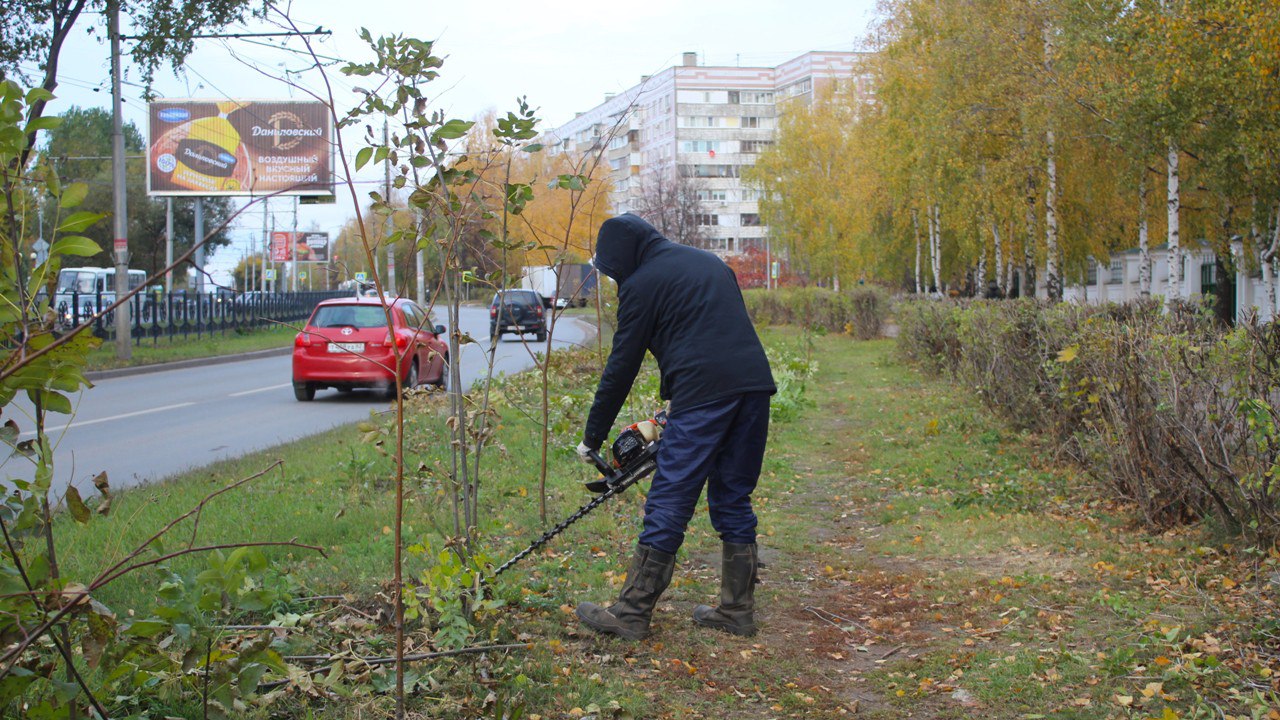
622 243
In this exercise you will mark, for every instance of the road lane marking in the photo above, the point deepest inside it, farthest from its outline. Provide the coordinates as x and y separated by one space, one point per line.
122 416
258 390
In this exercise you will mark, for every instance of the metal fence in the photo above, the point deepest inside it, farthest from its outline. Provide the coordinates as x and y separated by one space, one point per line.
156 315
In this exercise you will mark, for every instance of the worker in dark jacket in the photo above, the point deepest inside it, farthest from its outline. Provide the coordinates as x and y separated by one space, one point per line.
683 305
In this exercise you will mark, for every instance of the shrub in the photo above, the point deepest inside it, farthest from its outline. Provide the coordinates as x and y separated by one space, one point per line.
860 312
1168 411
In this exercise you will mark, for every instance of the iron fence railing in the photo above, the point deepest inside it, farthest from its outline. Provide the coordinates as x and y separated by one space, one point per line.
156 315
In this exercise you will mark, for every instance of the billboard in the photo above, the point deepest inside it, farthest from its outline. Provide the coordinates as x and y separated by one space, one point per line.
239 147
303 247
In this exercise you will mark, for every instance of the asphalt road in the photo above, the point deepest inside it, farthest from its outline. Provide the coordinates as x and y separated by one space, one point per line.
146 427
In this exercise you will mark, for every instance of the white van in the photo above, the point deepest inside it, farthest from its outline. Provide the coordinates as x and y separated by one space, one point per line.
86 286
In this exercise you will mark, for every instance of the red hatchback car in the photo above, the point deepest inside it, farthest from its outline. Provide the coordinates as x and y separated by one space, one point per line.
346 345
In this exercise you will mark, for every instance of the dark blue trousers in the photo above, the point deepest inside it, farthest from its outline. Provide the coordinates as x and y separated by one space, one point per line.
720 444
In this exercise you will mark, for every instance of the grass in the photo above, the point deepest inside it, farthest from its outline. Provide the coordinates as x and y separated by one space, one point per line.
921 560
188 348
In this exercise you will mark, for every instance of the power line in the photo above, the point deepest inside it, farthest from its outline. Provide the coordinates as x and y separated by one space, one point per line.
218 36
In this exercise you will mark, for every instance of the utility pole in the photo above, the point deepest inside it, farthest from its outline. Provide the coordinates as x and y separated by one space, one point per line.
266 244
389 286
124 344
768 263
273 262
422 282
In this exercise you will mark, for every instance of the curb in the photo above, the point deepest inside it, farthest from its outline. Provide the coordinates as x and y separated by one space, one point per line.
182 364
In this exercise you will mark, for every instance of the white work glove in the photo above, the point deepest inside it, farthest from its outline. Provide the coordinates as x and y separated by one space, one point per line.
584 453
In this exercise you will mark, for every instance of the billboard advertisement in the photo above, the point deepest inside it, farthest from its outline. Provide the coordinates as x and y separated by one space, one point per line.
281 244
312 247
239 147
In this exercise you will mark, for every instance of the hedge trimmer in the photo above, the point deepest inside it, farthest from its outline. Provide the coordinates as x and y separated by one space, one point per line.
635 455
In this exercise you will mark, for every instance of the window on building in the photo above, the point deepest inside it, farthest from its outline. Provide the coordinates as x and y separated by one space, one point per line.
700 121
1117 271
797 88
1091 274
755 146
757 98
749 220
733 97
702 96
699 146
748 195
1208 278
708 219
710 171
712 195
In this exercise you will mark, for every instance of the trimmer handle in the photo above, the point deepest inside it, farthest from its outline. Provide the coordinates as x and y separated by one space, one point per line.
600 463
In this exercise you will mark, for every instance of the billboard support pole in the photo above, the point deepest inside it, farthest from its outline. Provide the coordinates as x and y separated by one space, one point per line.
168 244
124 343
198 238
293 240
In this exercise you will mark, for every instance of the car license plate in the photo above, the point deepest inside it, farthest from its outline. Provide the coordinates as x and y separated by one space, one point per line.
341 347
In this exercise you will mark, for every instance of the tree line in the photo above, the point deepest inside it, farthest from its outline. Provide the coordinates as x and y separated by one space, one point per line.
988 143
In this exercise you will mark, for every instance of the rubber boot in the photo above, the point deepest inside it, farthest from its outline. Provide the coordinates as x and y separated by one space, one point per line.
650 574
737 592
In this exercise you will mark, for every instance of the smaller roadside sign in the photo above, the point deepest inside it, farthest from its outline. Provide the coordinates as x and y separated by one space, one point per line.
361 277
271 275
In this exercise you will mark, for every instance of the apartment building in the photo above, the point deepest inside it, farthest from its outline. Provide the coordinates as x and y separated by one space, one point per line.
691 130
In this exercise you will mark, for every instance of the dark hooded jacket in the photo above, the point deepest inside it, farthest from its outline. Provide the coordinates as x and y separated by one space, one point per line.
683 305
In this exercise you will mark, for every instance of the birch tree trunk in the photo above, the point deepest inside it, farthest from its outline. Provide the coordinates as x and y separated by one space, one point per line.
995 235
934 282
1269 269
1053 283
1028 285
1009 264
915 227
937 252
980 276
1052 279
1144 245
1174 291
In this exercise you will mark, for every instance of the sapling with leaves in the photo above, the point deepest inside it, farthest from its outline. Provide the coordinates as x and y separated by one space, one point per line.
47 618
447 191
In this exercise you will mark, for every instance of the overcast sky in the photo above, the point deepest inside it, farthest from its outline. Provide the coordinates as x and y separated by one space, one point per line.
564 56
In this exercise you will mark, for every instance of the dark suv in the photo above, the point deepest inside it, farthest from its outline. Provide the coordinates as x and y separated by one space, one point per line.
517 312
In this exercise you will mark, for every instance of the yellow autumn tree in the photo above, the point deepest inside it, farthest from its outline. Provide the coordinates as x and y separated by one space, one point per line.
570 200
